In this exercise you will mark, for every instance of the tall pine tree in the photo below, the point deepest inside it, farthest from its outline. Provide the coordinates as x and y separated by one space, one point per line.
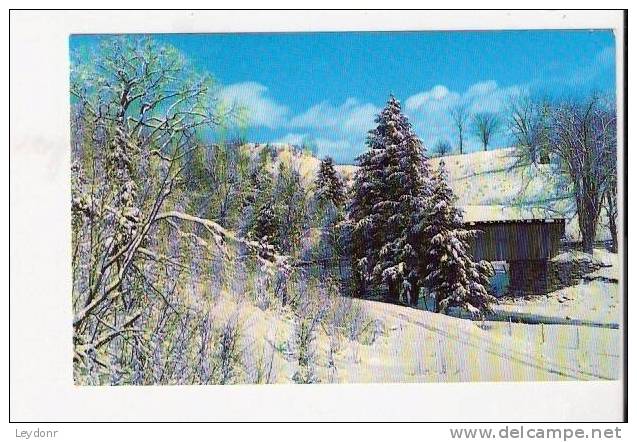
328 213
454 278
389 193
290 206
329 185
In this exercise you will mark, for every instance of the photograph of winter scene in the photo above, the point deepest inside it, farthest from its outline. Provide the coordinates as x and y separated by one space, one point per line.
345 207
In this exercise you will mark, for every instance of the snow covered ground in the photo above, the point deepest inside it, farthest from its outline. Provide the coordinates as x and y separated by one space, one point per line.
423 347
578 325
592 300
412 345
589 302
576 335
600 257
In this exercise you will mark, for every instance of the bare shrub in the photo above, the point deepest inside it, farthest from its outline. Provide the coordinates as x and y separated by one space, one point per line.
309 315
228 353
262 293
352 321
331 362
263 370
204 369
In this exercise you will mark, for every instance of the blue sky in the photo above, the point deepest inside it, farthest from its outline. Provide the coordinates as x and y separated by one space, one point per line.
325 88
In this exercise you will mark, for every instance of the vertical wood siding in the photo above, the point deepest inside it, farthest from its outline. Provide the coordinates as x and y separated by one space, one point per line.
517 240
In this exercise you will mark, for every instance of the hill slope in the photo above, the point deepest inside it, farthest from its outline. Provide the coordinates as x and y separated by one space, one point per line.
490 178
418 346
493 178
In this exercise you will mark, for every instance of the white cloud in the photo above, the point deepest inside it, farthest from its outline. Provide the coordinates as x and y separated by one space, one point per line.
438 93
489 97
263 110
349 116
338 131
325 144
360 117
295 139
481 89
342 150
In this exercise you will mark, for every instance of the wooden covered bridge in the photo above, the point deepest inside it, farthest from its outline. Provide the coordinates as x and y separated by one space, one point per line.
525 238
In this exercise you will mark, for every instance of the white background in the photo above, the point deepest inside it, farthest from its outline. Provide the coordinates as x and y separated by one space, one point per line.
40 360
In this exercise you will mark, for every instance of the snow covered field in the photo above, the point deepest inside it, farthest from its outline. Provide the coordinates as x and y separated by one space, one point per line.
410 345
418 346
578 325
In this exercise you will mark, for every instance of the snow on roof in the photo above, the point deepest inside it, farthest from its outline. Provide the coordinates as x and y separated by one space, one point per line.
496 213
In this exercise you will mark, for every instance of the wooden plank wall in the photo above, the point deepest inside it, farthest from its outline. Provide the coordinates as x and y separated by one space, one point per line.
517 240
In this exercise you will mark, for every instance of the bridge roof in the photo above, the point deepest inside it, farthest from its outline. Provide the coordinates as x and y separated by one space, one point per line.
498 213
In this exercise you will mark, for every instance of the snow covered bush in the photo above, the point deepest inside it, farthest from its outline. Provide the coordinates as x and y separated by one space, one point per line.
308 318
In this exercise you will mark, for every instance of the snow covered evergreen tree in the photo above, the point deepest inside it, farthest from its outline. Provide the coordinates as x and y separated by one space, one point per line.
328 212
390 191
329 185
453 276
265 226
290 206
259 217
279 208
260 179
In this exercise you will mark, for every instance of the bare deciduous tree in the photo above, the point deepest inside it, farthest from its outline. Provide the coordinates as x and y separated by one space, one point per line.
442 148
460 118
485 124
610 205
581 138
528 124
135 114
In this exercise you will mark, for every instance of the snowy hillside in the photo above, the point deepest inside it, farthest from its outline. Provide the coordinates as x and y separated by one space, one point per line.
492 178
487 179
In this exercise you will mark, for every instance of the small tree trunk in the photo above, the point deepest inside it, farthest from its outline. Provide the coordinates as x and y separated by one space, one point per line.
587 228
361 290
587 244
587 216
611 212
614 247
394 292
414 292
